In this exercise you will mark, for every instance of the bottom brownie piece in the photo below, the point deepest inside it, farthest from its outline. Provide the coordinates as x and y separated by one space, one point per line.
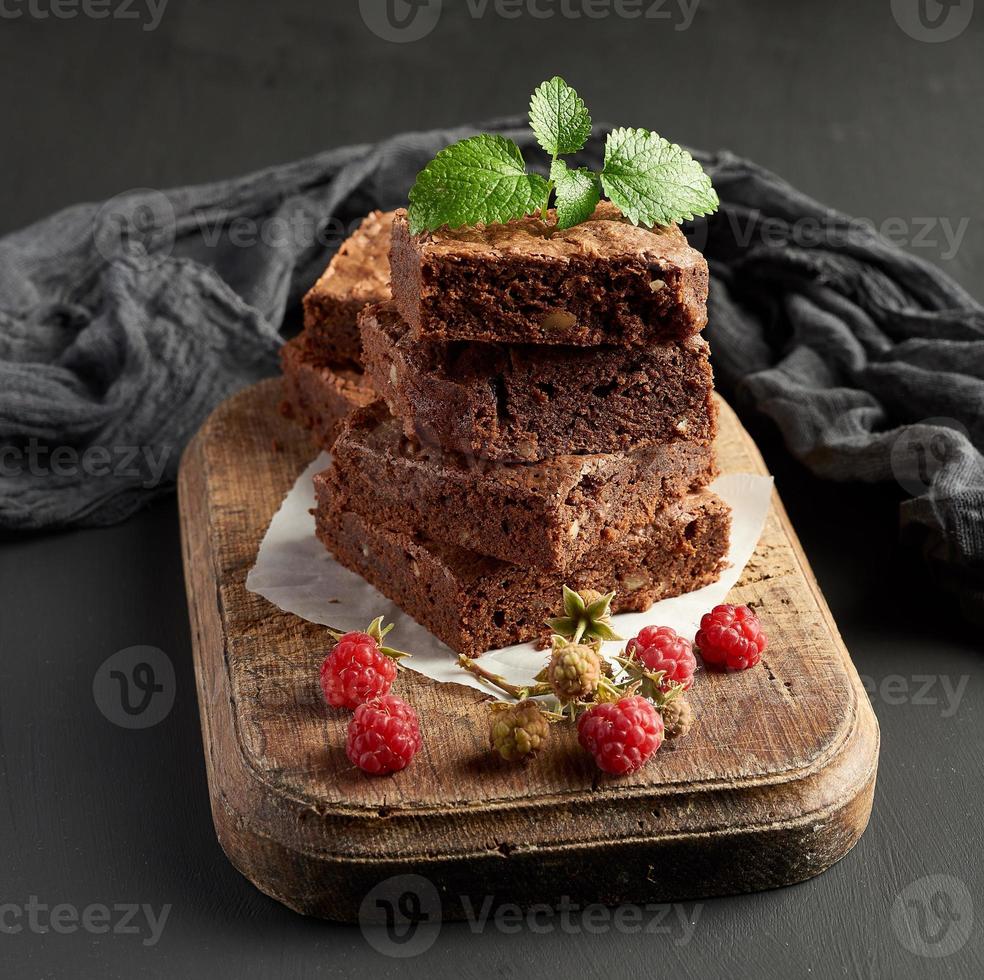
545 515
317 395
475 604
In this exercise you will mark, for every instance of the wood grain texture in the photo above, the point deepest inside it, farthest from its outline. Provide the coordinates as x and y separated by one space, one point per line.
772 786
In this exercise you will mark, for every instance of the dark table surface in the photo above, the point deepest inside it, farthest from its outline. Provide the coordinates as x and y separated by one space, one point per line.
841 99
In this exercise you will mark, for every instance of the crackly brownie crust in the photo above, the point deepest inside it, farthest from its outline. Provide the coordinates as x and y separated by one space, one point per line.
605 281
548 515
475 604
318 395
357 274
531 402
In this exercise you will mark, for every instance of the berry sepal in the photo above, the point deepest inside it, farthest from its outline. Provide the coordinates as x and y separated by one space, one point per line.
379 633
587 616
650 683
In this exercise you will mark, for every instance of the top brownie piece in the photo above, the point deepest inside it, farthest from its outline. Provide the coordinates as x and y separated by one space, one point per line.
357 275
604 281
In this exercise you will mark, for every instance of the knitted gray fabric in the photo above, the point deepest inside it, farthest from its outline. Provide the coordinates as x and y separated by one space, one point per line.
122 325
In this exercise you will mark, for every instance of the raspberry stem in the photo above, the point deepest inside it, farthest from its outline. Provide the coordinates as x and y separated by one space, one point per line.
496 680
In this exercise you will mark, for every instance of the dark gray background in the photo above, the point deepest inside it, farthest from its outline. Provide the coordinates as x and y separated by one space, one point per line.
834 96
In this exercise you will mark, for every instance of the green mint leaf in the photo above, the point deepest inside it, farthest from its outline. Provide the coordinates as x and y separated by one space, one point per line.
478 180
653 181
578 193
559 118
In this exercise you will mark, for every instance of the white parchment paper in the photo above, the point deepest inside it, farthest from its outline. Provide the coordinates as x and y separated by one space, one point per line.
295 573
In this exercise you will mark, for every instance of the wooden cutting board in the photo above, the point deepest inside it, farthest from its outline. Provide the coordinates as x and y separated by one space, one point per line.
773 785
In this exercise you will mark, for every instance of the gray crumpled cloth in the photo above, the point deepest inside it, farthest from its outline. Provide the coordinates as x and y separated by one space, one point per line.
123 324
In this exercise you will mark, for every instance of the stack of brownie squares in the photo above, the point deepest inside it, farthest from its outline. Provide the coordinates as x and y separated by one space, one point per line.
544 415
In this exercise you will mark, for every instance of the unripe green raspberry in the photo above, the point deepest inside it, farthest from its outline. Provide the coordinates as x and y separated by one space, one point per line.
678 717
574 671
518 730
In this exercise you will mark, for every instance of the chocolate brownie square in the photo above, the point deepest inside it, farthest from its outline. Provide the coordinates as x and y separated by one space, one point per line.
549 515
524 402
475 604
605 281
318 395
357 274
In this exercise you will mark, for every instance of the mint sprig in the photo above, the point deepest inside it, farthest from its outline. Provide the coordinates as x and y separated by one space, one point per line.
480 179
559 118
654 181
578 193
483 179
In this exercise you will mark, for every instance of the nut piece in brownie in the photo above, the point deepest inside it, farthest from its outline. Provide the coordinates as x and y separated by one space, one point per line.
357 274
475 604
317 395
605 281
547 515
530 402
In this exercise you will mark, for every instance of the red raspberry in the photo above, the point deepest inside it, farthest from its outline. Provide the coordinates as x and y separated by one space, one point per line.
383 735
661 648
731 638
355 671
622 735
